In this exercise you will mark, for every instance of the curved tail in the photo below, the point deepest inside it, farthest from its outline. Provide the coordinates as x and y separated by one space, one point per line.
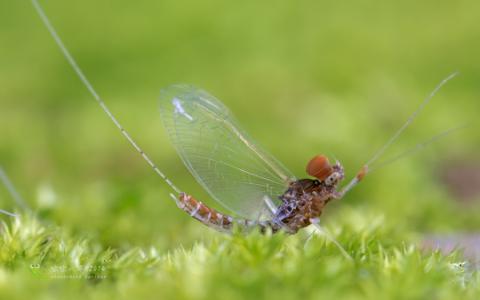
95 95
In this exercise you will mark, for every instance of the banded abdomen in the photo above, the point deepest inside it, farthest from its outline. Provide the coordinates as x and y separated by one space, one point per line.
217 220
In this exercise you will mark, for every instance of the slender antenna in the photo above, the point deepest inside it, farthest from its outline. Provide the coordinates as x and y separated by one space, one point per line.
92 91
12 190
366 167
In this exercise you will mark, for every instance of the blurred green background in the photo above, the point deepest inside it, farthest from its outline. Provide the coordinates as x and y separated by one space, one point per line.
302 77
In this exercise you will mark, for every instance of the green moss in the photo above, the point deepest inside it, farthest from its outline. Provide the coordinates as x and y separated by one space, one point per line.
384 266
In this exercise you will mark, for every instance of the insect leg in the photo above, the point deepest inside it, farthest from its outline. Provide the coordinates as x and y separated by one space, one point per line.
410 119
270 205
418 147
328 236
366 168
360 175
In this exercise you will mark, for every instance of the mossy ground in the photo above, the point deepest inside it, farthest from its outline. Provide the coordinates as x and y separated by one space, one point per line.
386 265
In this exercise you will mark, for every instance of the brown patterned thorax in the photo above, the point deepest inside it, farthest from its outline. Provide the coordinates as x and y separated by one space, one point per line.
303 203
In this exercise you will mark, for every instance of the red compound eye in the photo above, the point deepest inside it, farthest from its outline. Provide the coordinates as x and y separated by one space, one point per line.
319 167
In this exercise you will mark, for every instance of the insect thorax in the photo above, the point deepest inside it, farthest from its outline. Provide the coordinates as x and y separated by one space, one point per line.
303 201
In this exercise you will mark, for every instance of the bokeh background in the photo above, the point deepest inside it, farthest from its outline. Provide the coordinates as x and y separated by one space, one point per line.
302 77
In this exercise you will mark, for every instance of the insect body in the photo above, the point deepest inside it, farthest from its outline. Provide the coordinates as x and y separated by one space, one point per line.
303 203
232 168
239 174
305 199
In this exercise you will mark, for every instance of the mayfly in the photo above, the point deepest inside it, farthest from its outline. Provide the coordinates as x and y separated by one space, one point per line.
233 169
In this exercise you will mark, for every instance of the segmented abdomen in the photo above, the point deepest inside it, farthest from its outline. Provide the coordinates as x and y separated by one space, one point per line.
215 219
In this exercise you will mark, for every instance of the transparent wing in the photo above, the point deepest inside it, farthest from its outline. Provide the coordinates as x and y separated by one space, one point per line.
234 170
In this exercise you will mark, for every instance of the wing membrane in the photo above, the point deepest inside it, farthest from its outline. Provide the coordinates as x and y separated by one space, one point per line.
234 170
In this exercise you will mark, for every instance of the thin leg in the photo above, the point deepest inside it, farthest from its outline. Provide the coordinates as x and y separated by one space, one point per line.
316 223
365 169
270 205
347 188
310 236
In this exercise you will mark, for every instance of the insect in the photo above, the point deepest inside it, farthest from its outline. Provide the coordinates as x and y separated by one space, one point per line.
235 170
243 177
